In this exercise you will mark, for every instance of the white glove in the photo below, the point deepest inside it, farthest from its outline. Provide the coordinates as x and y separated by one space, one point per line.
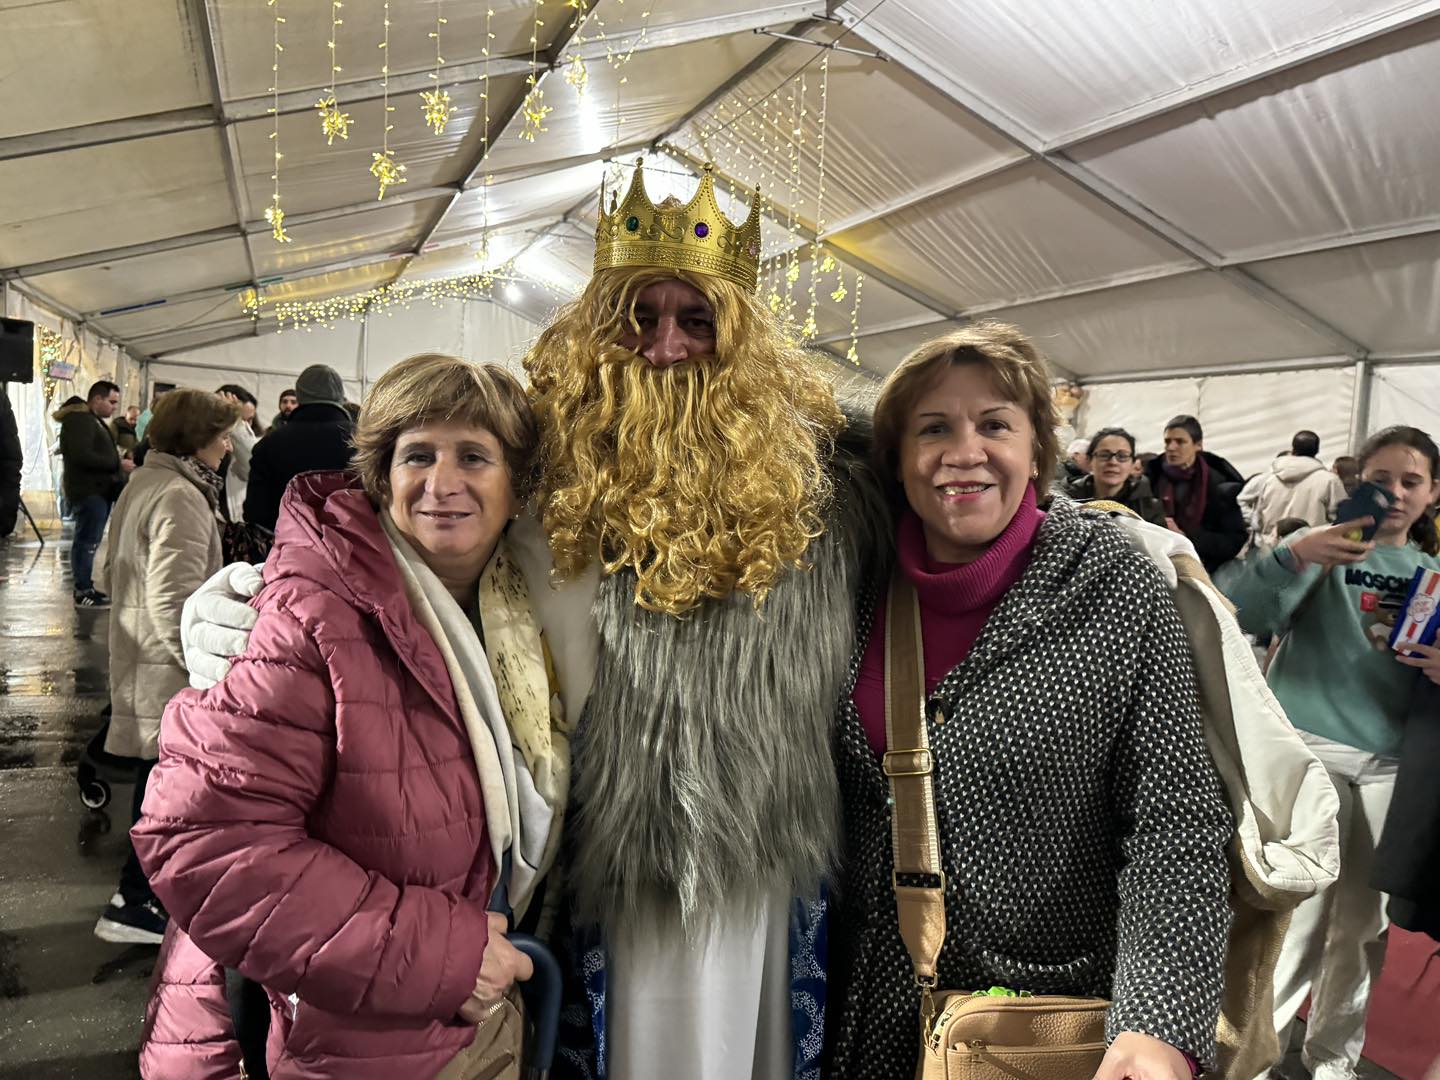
216 621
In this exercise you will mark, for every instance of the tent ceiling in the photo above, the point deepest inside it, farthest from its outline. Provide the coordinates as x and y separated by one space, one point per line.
88 62
1145 187
1344 145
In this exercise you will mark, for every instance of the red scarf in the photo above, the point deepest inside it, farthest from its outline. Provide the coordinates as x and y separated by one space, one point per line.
1189 513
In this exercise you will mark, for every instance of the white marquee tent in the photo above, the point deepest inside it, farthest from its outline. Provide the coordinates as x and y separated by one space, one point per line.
1208 206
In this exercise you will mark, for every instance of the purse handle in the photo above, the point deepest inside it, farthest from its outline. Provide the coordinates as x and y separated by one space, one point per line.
910 766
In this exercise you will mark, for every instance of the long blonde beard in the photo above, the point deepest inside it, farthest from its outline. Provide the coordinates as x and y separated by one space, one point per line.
704 478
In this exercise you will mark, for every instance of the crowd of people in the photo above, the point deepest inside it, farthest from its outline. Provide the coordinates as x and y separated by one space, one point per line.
618 660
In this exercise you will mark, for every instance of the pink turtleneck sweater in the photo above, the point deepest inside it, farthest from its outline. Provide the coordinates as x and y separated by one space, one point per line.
955 601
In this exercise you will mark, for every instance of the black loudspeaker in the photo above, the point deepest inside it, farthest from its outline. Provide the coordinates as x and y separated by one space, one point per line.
17 351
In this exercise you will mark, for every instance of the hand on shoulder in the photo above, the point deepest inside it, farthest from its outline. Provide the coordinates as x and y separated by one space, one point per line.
216 621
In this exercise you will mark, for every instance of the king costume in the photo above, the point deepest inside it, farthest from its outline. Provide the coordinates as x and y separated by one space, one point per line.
709 646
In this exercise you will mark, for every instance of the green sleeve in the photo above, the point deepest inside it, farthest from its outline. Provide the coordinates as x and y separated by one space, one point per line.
1268 593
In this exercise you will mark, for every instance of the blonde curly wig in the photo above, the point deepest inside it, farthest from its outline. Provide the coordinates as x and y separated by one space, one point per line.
703 478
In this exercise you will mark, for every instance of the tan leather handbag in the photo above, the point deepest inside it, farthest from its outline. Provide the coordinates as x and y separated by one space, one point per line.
973 1037
498 1047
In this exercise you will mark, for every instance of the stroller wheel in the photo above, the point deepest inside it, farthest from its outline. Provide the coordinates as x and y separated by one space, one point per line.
95 794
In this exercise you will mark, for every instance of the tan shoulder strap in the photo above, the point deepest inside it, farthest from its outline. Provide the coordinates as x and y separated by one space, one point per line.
910 767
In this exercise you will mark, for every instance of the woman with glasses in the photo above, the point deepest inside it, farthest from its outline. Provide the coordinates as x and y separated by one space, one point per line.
1111 478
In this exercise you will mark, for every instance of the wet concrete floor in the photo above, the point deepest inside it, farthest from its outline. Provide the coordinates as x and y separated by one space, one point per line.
71 1006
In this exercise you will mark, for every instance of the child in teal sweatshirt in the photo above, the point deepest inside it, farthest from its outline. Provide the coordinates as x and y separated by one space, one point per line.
1335 600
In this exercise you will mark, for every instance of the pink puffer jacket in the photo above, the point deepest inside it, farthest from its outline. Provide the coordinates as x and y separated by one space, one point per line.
188 1032
316 820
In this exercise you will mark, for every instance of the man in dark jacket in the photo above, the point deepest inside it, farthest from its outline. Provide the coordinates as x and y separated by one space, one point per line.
91 480
316 435
11 461
1198 489
288 404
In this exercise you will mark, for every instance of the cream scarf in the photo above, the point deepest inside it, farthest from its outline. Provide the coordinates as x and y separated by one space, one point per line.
511 709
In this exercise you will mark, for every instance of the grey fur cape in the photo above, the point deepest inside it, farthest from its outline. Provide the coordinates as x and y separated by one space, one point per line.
702 769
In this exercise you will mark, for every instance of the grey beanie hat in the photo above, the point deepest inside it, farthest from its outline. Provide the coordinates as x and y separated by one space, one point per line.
320 385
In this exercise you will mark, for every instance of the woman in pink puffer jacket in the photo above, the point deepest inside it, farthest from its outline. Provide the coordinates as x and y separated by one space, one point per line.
316 820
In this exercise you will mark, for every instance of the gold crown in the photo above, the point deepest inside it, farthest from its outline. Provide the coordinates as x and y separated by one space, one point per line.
696 236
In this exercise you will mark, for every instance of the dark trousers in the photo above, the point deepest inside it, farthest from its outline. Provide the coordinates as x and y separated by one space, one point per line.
134 885
90 515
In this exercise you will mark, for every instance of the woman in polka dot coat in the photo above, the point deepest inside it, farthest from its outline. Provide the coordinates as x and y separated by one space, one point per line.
1082 824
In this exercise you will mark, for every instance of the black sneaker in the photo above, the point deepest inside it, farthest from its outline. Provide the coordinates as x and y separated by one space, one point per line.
91 598
132 924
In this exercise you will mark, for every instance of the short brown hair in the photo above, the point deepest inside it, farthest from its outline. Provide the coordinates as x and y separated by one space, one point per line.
186 420
1016 365
436 389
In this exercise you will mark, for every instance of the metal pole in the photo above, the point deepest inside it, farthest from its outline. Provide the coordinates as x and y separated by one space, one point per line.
1360 404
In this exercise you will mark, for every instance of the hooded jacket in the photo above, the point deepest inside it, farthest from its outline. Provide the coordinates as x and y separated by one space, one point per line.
1222 530
316 820
92 461
1298 487
164 541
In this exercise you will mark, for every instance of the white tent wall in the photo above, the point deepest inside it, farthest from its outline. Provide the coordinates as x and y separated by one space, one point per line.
1406 394
1248 419
267 364
359 351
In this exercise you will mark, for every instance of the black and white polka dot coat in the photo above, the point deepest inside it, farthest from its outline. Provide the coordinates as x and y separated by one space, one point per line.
1083 827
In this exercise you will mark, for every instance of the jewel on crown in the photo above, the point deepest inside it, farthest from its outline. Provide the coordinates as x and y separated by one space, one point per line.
693 236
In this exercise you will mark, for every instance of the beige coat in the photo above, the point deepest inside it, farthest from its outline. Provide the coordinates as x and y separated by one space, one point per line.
164 542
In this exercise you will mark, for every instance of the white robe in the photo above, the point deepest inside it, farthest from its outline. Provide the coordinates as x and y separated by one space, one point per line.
714 1010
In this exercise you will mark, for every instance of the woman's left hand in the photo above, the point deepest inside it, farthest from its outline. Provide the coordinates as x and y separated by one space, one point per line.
1424 657
1133 1056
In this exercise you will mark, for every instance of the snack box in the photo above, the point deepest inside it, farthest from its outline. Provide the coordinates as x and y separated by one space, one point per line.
1419 620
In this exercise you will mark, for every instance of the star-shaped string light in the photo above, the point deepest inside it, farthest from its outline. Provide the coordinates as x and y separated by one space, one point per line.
333 121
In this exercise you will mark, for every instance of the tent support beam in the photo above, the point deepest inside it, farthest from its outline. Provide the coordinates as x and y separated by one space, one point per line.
553 54
1385 359
947 186
915 322
171 122
688 32
1288 59
807 231
138 341
1338 243
304 273
24 288
1118 200
1258 367
1360 404
230 145
227 232
802 12
354 92
1424 227
244 335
